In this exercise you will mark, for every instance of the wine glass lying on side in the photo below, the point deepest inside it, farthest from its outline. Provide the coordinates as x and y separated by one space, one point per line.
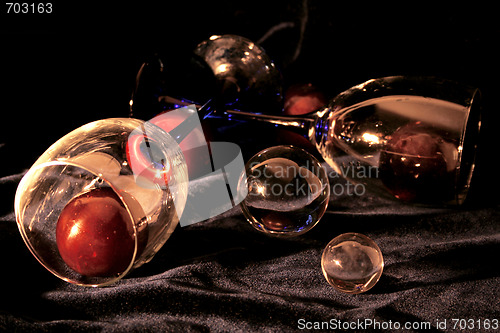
102 200
412 138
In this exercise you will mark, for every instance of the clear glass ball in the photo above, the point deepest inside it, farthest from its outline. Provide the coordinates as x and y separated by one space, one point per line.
352 263
288 191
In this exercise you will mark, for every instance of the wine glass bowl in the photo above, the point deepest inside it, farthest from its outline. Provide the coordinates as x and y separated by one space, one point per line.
247 78
414 138
91 208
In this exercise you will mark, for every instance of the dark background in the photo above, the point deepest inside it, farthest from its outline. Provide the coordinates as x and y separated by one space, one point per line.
59 71
78 64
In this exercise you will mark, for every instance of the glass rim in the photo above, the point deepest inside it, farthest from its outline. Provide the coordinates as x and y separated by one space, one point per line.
472 123
107 280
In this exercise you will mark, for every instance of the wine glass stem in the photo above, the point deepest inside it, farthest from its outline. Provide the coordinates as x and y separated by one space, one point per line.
298 124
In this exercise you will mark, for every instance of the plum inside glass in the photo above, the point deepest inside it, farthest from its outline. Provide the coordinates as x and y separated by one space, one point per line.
94 233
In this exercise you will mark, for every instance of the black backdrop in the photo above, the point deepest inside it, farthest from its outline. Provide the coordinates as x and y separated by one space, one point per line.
78 64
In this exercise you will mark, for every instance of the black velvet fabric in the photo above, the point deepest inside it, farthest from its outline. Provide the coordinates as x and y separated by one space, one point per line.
221 275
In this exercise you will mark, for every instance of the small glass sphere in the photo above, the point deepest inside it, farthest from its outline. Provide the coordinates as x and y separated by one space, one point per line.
288 191
352 263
